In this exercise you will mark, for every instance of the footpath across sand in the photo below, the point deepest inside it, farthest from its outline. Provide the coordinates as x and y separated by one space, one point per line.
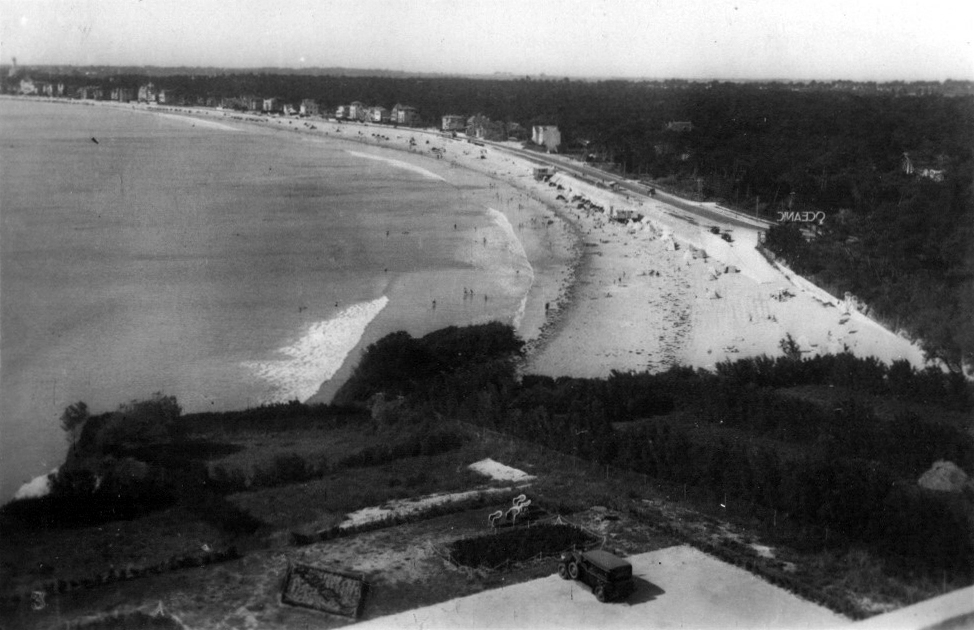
677 587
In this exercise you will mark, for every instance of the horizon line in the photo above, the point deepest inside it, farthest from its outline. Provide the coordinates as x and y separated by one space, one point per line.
481 75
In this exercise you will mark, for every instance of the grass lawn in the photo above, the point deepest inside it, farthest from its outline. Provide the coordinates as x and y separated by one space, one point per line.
323 503
313 445
31 556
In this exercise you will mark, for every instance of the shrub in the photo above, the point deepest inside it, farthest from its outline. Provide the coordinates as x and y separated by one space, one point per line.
517 545
398 364
217 511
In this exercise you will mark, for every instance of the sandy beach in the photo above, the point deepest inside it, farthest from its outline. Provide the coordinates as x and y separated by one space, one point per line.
647 294
667 290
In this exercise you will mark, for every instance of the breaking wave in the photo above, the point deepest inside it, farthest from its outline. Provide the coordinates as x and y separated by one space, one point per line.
398 164
520 260
212 124
317 355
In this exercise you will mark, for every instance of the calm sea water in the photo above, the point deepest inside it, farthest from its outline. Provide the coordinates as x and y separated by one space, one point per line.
228 268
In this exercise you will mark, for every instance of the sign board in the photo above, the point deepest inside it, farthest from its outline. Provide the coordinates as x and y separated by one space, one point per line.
323 589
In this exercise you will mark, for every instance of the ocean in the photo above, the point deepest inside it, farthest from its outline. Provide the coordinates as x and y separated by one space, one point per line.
227 264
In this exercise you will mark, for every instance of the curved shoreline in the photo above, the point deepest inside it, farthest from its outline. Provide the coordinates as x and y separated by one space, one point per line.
629 296
538 331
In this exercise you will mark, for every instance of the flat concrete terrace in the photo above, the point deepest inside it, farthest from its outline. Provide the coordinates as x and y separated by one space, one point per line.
677 587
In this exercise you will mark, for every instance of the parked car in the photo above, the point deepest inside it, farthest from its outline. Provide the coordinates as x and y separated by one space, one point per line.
609 576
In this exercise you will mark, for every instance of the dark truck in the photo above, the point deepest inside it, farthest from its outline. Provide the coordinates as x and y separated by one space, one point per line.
609 575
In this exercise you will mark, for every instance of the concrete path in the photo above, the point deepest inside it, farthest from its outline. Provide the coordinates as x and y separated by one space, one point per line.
678 587
952 611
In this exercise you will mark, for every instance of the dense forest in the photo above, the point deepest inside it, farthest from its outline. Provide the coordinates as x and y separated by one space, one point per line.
845 474
892 173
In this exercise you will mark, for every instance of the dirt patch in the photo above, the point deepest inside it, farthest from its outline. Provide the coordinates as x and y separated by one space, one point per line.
413 506
500 472
405 567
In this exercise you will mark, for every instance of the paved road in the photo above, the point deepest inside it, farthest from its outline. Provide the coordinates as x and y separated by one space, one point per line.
701 214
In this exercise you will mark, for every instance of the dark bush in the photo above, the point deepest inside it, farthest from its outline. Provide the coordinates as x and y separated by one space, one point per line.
398 364
217 511
276 417
434 443
517 545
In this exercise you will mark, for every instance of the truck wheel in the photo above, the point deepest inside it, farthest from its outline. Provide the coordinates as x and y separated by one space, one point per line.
600 593
563 571
573 570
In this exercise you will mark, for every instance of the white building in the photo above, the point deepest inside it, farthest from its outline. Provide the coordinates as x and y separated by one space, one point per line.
547 136
357 111
147 93
27 86
379 114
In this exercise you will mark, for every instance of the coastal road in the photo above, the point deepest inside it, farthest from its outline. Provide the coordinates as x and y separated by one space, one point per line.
699 213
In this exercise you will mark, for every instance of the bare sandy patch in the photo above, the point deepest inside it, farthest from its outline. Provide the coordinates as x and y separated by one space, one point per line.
405 507
499 471
677 587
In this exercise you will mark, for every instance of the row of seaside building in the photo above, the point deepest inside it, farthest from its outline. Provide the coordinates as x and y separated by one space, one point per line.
478 126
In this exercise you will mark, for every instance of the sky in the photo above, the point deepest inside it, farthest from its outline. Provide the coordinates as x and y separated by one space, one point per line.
863 40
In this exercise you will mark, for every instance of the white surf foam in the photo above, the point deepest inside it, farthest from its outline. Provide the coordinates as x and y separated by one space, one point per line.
521 309
398 164
521 262
196 121
317 355
37 487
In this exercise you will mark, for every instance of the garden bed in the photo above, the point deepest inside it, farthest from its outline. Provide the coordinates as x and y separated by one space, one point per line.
496 550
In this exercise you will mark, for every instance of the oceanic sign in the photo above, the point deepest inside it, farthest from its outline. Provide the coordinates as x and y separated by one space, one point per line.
802 217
